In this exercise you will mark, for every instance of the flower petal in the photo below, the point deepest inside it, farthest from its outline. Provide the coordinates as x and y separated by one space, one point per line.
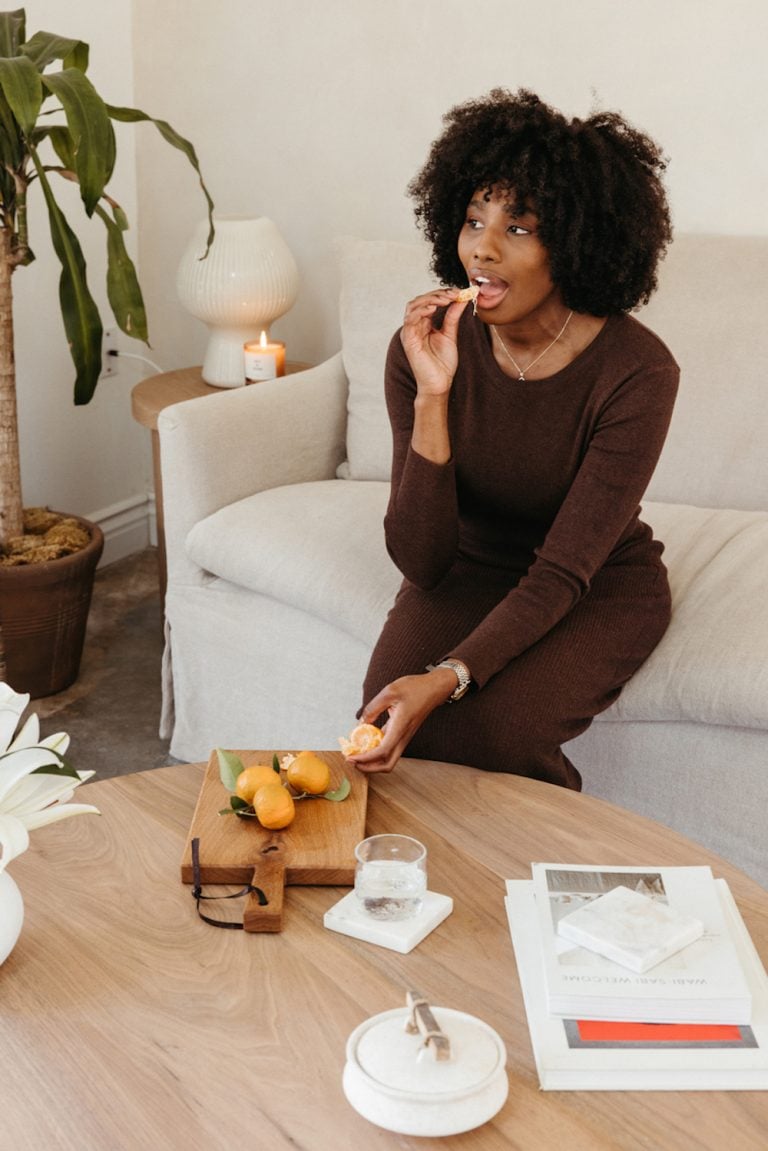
35 792
11 706
57 812
14 765
29 735
58 742
14 839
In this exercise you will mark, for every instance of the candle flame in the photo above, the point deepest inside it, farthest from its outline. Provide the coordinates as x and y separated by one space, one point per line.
263 340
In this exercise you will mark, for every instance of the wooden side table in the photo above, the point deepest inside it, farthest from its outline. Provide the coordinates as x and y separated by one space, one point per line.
148 399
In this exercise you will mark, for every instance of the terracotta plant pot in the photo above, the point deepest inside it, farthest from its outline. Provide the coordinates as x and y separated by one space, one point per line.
43 612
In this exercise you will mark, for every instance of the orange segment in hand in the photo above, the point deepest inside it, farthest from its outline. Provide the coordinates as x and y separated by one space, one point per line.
362 738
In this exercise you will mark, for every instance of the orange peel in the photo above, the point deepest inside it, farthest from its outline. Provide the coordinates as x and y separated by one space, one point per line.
364 737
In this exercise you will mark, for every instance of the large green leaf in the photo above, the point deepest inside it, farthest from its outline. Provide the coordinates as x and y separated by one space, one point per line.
11 143
12 32
123 288
45 47
82 322
23 89
230 766
61 139
93 136
169 134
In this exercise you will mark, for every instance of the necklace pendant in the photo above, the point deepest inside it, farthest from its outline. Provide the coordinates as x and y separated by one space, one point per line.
521 377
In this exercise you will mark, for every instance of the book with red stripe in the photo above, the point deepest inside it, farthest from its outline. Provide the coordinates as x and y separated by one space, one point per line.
621 1055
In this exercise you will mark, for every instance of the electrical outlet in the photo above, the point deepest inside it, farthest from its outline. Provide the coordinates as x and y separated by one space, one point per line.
109 345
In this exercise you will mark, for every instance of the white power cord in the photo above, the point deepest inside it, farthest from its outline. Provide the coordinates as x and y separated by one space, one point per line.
134 356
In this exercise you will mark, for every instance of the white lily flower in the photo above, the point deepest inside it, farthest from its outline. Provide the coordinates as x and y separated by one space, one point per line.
27 800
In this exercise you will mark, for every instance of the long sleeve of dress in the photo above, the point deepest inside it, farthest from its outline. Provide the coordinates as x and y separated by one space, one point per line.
545 478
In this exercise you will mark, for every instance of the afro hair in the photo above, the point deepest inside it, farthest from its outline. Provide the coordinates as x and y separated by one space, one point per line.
595 185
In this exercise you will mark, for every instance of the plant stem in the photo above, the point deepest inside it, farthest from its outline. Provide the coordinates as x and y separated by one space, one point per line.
11 516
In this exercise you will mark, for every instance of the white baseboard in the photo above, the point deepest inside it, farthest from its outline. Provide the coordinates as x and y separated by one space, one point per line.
129 526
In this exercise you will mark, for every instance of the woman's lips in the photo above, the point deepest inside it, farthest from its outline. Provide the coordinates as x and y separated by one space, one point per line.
492 290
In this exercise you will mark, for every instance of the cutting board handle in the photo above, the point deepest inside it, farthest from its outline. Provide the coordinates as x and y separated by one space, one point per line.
269 878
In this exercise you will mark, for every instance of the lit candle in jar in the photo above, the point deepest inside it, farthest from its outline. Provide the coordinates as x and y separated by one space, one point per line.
264 359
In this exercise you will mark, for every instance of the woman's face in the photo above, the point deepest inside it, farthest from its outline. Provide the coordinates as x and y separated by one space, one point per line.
502 254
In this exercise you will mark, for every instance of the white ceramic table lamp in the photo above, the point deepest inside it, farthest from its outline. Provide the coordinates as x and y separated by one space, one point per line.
248 279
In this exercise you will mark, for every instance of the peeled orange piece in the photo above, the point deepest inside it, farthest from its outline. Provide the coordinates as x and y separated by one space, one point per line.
364 737
469 293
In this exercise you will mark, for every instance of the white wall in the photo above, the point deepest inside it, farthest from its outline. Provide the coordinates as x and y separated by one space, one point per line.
317 113
93 460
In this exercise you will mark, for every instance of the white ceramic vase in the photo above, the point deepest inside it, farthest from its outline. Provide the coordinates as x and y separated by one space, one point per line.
11 915
248 279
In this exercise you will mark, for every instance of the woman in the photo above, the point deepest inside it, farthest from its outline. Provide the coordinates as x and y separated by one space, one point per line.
526 429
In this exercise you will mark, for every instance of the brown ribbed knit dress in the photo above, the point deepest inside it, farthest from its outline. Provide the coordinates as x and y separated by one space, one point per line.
524 555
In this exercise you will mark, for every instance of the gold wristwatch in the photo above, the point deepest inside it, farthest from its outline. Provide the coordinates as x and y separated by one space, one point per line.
463 674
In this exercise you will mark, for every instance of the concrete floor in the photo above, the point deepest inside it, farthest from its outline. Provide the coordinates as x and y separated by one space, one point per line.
112 711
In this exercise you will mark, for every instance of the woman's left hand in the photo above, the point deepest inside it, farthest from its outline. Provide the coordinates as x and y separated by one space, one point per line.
409 700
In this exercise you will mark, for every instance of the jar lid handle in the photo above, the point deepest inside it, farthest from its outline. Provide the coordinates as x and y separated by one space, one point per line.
421 1019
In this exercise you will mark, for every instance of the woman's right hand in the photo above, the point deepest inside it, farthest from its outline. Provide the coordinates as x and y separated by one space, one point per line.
407 701
432 353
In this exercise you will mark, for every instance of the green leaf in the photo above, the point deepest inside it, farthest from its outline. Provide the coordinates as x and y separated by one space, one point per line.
11 150
341 792
93 137
275 763
171 136
44 47
238 804
63 768
12 32
230 767
123 288
82 322
23 89
61 138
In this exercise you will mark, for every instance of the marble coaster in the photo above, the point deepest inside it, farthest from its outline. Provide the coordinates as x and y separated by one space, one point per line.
349 918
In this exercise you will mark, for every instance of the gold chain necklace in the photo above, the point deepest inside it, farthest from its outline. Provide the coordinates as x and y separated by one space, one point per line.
540 356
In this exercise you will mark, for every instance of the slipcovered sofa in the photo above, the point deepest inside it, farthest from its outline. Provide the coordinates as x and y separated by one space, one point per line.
278 578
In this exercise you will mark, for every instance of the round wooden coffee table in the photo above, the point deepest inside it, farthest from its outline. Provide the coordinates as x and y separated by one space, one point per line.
128 1023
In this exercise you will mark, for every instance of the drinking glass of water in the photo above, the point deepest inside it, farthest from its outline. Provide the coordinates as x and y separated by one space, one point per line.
391 876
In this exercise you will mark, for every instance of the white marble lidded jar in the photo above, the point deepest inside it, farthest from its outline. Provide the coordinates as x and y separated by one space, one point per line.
397 1078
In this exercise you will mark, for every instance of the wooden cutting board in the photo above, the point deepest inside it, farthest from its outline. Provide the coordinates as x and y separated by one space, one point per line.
316 848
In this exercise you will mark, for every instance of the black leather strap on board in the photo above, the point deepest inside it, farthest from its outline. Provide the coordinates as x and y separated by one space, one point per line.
197 892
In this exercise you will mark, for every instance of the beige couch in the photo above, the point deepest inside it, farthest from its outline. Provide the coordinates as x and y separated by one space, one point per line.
278 580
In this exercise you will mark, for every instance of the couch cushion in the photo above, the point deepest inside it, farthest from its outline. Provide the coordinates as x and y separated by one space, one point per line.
319 547
316 546
716 454
378 277
711 664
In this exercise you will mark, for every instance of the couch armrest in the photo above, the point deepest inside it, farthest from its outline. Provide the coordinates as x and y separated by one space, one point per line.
219 449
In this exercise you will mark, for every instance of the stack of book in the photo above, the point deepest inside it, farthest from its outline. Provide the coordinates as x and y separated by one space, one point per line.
682 1002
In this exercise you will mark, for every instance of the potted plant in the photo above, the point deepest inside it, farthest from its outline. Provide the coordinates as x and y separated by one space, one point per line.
54 125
